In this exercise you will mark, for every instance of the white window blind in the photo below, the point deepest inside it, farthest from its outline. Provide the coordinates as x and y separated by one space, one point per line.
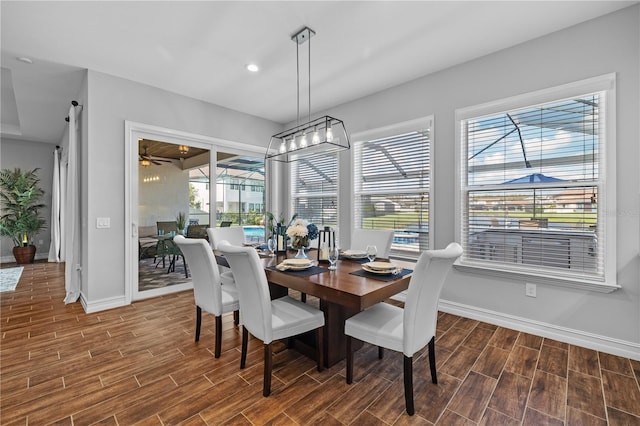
392 188
314 189
533 187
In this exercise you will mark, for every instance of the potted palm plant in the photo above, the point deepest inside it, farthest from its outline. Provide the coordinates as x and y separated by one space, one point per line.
181 221
21 197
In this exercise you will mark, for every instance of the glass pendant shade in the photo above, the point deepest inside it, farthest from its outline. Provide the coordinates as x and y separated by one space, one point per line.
328 133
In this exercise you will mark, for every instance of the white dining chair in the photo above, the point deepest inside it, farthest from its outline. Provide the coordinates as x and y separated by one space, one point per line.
209 292
233 235
410 329
267 319
381 238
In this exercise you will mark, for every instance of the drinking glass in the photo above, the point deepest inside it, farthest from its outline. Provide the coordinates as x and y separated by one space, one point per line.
372 252
271 245
334 253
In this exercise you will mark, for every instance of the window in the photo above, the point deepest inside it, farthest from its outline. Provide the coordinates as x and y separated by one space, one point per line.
533 187
235 173
314 189
392 184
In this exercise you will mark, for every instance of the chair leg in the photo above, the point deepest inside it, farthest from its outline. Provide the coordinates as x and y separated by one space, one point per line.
320 346
432 360
380 352
184 263
243 352
408 384
268 365
349 361
218 347
236 317
303 297
198 322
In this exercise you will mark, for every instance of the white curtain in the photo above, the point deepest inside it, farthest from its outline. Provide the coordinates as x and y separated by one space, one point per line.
72 253
56 240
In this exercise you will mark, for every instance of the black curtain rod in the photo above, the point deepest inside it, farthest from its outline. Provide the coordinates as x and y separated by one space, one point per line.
75 104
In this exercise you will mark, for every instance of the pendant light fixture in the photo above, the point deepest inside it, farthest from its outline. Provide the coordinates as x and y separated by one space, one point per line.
319 136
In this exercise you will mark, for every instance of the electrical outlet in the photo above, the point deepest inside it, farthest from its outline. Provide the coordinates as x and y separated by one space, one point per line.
530 289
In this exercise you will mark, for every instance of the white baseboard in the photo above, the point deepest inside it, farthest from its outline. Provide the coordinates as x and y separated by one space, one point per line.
563 334
102 305
11 259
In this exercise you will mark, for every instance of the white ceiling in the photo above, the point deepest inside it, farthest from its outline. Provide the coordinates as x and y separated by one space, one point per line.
200 49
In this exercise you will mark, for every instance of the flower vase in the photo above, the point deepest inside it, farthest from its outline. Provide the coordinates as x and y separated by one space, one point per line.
301 254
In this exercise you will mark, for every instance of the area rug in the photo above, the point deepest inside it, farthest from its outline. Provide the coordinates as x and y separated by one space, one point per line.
152 276
9 278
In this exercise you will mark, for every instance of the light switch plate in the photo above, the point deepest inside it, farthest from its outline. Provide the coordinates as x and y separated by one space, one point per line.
103 222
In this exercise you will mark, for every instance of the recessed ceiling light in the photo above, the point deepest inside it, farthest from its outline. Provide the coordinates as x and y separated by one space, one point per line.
253 68
25 60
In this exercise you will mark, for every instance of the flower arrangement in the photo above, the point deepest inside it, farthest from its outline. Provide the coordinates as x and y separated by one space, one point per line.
301 233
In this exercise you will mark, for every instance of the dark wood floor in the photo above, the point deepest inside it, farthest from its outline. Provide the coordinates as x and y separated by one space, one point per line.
140 365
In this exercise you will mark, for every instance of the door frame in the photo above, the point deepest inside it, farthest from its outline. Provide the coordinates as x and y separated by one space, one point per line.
134 131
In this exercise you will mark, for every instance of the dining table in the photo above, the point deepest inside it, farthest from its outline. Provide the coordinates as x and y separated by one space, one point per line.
342 293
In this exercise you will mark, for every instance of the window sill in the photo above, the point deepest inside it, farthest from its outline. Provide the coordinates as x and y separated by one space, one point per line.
543 279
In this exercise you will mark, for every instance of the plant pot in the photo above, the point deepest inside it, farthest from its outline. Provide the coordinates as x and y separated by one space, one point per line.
24 254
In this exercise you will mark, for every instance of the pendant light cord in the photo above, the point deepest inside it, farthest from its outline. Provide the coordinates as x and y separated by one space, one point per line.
309 80
298 80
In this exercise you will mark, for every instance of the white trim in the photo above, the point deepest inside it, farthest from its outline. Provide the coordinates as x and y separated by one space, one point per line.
536 277
102 305
606 218
584 339
11 259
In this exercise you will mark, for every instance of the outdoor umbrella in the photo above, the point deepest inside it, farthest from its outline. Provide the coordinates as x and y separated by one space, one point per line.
533 178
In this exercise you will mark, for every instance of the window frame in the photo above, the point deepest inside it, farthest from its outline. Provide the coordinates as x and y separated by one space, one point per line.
426 122
607 189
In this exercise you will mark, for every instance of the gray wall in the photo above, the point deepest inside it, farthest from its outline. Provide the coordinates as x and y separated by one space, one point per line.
111 101
605 45
27 156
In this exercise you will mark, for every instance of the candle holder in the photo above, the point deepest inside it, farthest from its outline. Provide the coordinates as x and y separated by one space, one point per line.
281 238
326 241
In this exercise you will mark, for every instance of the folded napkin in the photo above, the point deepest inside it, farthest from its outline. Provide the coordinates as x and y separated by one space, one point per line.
282 267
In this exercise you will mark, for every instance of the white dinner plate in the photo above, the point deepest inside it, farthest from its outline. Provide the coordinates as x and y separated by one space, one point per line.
298 262
299 268
380 266
355 254
379 271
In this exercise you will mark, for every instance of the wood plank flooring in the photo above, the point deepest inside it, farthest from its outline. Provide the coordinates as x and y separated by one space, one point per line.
140 365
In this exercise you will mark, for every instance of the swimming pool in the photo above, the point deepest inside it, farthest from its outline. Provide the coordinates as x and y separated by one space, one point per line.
253 233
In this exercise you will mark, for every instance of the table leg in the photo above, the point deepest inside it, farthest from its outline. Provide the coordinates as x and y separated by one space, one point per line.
335 341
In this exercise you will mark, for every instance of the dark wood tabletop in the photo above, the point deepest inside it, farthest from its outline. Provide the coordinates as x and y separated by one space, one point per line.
339 286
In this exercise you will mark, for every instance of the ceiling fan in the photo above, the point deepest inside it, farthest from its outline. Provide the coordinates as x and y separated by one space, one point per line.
146 159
